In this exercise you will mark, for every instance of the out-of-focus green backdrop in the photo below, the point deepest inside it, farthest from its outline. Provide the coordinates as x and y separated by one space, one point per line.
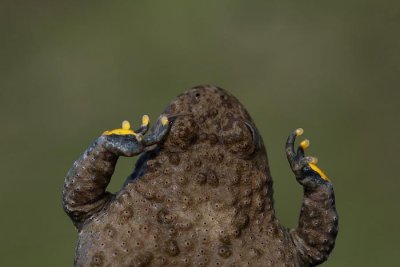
71 69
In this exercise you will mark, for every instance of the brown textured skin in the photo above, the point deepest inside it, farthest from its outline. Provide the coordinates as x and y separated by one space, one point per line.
203 197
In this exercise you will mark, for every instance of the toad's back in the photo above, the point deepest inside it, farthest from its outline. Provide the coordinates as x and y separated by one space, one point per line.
202 198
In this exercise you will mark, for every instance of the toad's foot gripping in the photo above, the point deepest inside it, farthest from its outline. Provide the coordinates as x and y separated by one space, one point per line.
316 232
84 192
302 166
127 142
126 128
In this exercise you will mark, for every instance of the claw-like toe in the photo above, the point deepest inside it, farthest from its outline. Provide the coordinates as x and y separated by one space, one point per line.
305 144
297 160
145 120
164 120
299 131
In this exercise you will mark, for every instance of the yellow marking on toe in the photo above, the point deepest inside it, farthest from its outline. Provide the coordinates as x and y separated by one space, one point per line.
299 131
319 171
145 120
126 125
125 130
164 120
305 144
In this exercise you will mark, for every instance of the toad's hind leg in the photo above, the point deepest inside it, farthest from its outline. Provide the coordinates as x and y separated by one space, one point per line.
315 235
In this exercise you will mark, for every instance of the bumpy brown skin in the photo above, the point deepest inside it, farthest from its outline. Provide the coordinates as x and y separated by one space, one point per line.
203 197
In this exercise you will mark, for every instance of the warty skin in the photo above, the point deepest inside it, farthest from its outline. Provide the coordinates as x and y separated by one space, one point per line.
200 195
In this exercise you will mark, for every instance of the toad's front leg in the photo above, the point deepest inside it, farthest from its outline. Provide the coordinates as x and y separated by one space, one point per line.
84 191
316 232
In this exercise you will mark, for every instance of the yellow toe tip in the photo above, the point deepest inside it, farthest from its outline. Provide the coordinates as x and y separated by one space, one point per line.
164 120
305 144
299 131
126 125
145 120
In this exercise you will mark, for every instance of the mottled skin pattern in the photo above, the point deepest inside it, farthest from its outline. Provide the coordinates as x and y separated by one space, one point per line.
202 196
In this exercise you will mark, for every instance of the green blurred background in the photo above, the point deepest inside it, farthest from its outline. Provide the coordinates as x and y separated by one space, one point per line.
71 69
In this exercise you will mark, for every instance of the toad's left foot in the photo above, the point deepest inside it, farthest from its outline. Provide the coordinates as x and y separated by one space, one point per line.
301 165
155 137
126 128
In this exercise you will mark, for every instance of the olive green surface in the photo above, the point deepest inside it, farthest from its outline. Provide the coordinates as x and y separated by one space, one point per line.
69 71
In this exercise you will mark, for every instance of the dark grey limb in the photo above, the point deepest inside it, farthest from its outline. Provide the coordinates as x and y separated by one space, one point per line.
315 235
84 191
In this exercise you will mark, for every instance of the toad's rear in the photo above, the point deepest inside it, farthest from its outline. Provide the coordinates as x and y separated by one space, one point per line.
203 197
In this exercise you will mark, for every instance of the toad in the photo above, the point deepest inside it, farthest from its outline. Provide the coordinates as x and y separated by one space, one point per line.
200 194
